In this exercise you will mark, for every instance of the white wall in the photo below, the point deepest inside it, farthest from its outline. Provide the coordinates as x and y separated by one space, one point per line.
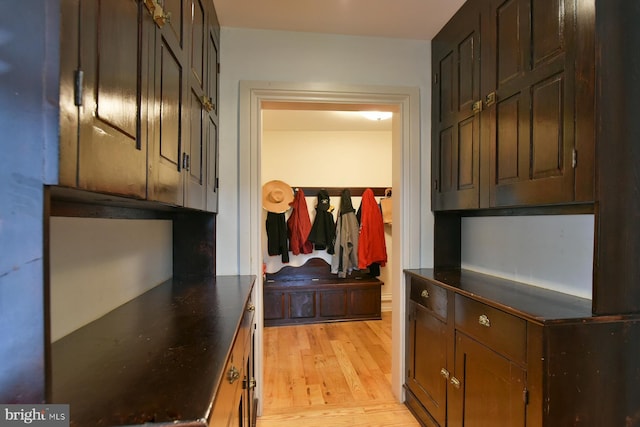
302 57
327 158
554 252
99 264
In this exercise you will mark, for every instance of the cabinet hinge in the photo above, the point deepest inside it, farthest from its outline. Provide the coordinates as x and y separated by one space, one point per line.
435 78
186 161
525 396
217 183
218 68
574 158
78 79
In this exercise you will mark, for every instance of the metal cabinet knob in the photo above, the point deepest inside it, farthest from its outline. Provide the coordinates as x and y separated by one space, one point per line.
455 382
444 373
233 374
484 321
424 294
251 307
207 104
161 17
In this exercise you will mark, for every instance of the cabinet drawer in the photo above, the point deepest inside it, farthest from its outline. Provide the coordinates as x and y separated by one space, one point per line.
226 398
247 321
502 332
430 296
224 404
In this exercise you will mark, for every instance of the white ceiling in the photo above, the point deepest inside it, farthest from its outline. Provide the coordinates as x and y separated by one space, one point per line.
407 19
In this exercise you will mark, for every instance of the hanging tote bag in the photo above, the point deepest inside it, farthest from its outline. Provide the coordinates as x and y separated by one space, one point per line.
386 205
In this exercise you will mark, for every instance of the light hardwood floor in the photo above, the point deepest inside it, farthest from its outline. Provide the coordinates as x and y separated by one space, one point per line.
331 375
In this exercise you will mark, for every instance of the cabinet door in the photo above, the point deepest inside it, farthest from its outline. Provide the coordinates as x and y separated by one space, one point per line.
249 415
427 360
170 112
487 390
196 147
455 111
112 141
528 83
212 115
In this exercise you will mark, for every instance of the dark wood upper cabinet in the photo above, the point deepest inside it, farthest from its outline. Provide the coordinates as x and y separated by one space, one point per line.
456 119
198 142
108 153
144 77
169 141
516 64
529 82
183 144
211 116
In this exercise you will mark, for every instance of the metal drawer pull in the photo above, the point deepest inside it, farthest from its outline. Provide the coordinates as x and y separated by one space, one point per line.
233 375
444 373
484 321
455 382
424 294
490 99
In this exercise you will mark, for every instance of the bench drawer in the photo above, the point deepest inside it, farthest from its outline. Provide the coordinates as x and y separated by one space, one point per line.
501 331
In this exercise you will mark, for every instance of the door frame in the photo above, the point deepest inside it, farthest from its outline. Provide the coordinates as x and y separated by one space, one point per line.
406 181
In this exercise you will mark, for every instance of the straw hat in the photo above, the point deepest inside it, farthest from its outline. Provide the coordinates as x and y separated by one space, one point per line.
276 196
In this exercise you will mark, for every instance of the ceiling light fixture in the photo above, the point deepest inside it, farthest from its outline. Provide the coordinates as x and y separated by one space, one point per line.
377 115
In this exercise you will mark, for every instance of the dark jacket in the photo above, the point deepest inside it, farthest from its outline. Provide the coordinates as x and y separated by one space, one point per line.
277 236
323 230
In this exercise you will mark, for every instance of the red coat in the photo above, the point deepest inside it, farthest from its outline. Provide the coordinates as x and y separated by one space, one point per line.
371 244
299 226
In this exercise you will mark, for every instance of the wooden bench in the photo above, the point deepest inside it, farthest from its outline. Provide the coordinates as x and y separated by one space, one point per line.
312 294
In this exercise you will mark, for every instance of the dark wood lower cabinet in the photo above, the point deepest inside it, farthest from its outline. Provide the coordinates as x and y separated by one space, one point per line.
173 356
234 402
427 348
483 351
488 389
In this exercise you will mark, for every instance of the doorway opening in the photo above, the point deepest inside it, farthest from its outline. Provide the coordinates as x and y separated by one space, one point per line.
406 183
332 147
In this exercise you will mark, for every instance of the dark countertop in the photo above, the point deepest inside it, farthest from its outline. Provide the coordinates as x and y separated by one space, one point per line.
158 358
531 302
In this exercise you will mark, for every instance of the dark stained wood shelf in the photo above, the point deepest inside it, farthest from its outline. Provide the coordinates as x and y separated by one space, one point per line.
156 359
531 302
337 191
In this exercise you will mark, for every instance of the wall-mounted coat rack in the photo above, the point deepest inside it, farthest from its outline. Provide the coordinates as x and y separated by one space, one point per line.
337 191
